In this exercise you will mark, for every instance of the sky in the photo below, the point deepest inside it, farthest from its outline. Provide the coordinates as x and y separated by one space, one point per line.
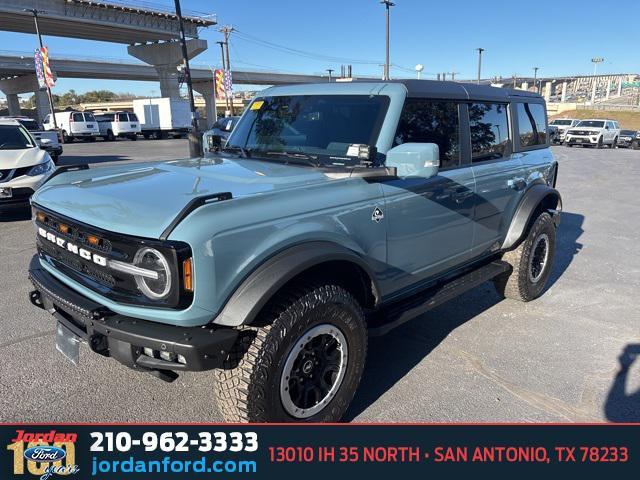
558 37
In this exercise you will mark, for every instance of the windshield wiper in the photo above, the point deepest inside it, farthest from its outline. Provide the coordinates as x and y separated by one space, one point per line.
244 152
302 157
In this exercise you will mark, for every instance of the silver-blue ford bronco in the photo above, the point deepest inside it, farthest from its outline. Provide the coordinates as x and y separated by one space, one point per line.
335 211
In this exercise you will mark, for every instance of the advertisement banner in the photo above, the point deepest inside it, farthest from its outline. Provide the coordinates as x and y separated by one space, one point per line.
37 57
218 76
316 451
48 74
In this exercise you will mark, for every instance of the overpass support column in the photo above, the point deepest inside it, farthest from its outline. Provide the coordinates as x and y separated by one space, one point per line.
42 104
165 58
619 86
547 91
13 103
563 97
608 89
207 91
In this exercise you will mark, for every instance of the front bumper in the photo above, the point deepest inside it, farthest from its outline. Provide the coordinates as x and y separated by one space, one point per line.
581 140
125 338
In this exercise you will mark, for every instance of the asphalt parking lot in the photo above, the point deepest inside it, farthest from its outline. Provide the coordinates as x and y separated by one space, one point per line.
477 359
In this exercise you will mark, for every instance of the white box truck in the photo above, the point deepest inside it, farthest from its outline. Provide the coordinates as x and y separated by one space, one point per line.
160 117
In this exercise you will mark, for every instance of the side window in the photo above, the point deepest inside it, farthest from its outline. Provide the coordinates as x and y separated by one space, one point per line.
47 119
489 126
531 124
426 121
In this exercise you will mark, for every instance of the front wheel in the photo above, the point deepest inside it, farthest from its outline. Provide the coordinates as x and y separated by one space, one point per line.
600 143
531 262
302 364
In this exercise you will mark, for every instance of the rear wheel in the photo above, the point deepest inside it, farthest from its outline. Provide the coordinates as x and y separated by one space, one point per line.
110 136
65 137
614 143
531 262
303 364
133 137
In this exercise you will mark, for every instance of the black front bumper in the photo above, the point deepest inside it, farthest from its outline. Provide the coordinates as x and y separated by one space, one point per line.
124 338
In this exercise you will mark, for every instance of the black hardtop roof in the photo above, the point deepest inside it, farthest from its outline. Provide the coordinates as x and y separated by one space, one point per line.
464 91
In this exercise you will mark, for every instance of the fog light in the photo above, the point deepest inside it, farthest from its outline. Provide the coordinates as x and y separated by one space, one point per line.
182 360
168 356
148 352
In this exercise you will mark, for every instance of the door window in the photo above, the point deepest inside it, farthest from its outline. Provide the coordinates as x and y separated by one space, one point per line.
489 125
427 121
77 117
531 124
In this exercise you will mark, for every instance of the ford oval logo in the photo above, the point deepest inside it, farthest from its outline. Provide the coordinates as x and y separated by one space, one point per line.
44 454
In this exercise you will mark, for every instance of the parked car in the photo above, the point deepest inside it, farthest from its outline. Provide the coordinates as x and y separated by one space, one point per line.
47 140
74 125
594 133
24 166
114 125
215 138
560 127
629 139
335 211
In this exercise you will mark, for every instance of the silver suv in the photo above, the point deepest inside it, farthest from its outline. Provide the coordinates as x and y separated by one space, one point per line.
594 132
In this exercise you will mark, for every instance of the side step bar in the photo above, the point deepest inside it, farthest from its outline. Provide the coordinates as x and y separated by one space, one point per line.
398 313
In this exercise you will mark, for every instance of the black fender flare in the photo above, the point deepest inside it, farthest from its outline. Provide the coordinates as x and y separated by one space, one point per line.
250 297
533 197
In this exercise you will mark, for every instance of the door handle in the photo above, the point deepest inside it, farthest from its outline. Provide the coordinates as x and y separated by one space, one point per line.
517 183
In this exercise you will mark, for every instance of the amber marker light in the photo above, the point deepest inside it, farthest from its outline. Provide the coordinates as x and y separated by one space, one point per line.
187 274
40 216
93 240
63 228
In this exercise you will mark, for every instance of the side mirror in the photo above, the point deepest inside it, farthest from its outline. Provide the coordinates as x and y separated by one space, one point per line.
606 127
415 159
45 141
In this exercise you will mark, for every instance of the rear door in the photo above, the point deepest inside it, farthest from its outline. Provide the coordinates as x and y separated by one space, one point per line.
498 173
429 220
90 123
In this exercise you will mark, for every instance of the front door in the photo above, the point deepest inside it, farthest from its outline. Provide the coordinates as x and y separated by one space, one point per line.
429 220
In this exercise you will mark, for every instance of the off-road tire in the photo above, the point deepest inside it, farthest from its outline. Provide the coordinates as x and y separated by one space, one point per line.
248 387
517 284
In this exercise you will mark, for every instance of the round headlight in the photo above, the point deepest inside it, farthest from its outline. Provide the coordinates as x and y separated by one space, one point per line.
152 259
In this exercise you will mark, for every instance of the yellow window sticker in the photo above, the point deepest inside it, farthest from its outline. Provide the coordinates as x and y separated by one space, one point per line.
257 105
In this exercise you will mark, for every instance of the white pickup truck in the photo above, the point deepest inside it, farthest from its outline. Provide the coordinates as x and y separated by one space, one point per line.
46 139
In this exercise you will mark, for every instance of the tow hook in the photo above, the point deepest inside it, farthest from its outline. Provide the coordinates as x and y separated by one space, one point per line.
36 299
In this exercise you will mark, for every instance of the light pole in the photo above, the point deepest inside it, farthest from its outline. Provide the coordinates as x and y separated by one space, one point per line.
226 31
388 4
535 78
224 69
419 69
49 96
596 61
330 71
480 50
195 142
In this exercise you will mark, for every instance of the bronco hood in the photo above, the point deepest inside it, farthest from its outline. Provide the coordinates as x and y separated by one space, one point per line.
143 199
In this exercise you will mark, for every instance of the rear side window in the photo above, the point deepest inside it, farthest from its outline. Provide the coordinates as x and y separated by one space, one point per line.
77 117
132 117
489 126
531 124
425 121
123 117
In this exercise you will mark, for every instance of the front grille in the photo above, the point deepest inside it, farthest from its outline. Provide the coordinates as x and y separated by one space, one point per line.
117 286
581 133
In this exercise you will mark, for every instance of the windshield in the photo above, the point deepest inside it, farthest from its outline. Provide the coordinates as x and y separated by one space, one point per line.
591 123
561 122
14 137
329 128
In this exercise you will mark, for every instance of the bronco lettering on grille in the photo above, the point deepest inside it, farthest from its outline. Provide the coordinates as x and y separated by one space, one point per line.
72 248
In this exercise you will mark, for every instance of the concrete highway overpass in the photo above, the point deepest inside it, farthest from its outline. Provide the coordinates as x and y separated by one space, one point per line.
108 21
